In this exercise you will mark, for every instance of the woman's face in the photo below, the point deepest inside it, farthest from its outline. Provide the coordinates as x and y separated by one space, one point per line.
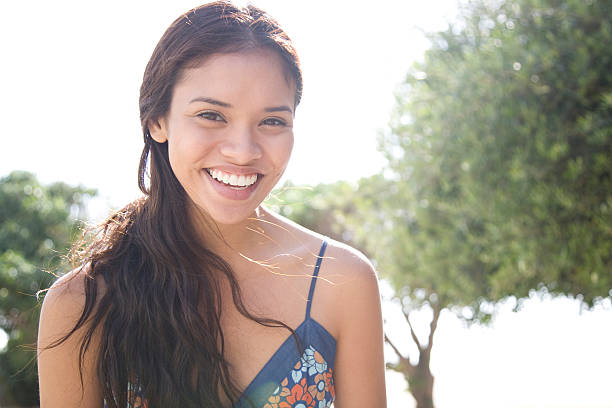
230 131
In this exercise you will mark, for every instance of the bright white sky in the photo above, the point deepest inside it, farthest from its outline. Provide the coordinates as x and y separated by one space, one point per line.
70 76
72 71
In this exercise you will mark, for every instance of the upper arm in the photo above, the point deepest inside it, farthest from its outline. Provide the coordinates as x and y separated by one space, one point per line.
58 366
359 374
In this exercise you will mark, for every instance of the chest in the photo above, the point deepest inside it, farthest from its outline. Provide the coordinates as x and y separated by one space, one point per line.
256 351
248 344
281 369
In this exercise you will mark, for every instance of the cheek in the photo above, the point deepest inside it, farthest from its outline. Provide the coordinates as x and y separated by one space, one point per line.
282 152
183 160
177 158
186 148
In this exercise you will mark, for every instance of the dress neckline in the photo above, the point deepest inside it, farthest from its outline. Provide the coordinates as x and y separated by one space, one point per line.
284 358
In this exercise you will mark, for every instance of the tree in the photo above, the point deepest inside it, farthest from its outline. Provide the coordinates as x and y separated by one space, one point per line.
37 225
499 180
503 138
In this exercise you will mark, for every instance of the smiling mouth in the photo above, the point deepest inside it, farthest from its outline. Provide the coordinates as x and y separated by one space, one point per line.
234 181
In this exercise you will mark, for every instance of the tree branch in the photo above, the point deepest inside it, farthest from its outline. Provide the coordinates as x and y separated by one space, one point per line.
404 366
388 340
412 332
432 326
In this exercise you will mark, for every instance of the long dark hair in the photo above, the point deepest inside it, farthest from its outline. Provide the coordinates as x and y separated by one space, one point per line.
159 316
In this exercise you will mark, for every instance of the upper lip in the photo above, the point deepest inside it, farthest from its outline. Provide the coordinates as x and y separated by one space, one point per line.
237 170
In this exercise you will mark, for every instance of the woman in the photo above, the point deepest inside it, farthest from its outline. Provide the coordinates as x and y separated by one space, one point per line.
196 295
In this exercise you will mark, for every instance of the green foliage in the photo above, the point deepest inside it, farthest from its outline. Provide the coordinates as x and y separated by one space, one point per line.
500 174
500 179
37 224
502 136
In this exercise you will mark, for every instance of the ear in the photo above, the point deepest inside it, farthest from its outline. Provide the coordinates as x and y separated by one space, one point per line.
158 130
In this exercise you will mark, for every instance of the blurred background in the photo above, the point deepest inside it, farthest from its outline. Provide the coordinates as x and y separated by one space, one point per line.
463 146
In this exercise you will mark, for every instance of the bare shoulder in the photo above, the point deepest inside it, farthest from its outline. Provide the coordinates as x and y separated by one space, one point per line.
349 264
64 300
343 256
359 376
342 264
64 379
354 277
63 305
348 282
66 295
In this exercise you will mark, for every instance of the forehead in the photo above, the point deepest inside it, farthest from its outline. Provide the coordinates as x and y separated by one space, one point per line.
254 74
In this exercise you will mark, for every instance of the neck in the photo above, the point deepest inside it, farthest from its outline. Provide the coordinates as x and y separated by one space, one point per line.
237 241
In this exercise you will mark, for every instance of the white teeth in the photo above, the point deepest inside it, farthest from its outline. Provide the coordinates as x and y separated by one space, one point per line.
233 179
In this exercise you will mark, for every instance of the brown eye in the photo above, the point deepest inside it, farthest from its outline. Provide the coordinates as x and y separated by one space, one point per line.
274 122
211 115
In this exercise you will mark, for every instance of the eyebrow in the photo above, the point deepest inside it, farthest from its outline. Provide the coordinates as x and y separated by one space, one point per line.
211 101
282 108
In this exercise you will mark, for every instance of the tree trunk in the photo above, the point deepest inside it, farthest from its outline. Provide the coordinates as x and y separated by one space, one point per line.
418 376
421 381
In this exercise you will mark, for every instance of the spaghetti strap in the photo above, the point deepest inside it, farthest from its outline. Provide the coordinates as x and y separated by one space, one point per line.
313 282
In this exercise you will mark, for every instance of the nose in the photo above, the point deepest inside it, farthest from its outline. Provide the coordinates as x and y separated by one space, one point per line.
240 146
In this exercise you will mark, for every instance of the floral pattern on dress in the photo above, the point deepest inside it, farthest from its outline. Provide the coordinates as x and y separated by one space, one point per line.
310 384
135 392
